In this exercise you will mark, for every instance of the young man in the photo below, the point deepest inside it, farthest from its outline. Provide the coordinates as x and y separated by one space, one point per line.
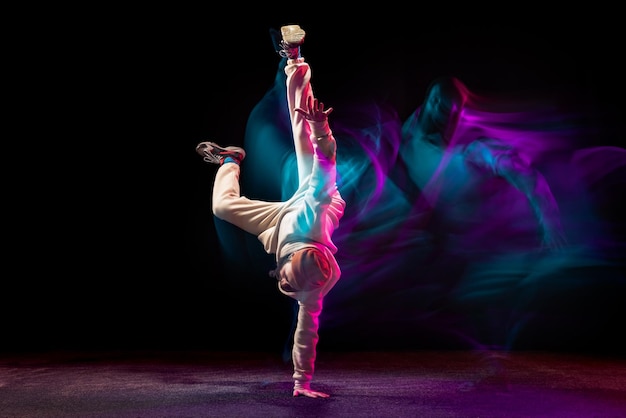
299 230
490 211
457 172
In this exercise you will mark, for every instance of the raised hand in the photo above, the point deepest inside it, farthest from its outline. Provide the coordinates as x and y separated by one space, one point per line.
315 110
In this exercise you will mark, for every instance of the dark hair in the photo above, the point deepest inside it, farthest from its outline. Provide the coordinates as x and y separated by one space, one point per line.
449 97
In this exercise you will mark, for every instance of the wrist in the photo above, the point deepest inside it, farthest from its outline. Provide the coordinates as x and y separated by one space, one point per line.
320 129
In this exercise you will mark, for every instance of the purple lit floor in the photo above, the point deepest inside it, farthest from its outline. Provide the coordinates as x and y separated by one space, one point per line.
361 384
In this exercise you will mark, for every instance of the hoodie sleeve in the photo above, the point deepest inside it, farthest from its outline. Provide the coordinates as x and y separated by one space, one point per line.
305 342
323 205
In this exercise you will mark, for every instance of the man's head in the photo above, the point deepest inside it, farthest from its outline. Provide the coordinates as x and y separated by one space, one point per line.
442 107
307 269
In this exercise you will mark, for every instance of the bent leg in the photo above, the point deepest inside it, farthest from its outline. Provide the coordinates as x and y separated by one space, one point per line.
253 216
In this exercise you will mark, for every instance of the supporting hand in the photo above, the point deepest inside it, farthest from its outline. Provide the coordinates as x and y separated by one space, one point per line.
310 393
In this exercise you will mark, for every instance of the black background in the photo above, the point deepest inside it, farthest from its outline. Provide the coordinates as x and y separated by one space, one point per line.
111 242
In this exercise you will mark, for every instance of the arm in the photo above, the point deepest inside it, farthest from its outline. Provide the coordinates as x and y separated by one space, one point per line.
501 160
321 135
324 205
322 199
304 347
536 189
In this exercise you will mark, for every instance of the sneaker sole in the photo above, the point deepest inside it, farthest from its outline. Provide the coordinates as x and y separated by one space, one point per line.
293 35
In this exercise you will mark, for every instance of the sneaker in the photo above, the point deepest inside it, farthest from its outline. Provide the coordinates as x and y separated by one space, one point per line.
213 153
293 37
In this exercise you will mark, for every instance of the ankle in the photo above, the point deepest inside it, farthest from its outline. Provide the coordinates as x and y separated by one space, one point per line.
230 159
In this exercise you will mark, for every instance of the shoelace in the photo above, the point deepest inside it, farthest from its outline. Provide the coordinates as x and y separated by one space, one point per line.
286 52
209 157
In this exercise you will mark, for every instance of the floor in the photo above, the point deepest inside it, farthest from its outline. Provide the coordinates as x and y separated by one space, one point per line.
361 384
